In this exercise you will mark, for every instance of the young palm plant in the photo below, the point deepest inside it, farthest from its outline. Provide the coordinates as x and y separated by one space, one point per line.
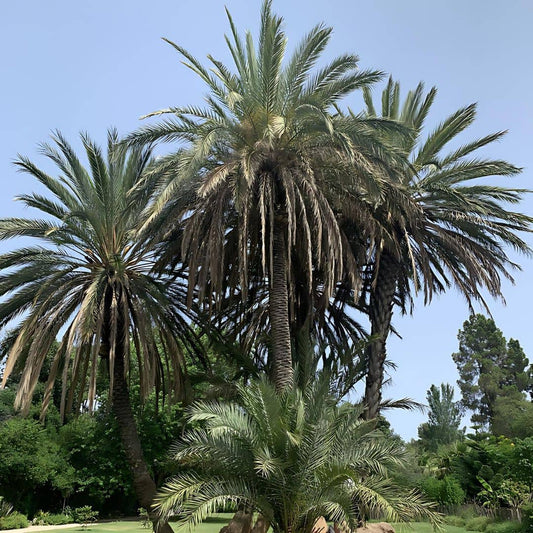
267 153
89 280
461 235
292 457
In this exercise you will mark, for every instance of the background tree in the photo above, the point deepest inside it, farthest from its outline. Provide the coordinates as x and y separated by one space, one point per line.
489 367
90 279
512 416
34 471
444 418
460 233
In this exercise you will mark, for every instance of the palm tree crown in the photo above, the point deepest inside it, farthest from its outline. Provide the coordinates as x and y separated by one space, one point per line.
270 154
90 280
91 274
463 230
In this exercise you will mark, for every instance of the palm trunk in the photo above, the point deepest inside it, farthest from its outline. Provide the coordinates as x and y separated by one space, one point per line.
281 369
380 314
143 484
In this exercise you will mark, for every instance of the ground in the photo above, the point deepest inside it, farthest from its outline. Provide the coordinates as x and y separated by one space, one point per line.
212 525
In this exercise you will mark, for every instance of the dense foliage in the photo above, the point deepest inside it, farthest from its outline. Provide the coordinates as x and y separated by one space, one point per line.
444 418
292 457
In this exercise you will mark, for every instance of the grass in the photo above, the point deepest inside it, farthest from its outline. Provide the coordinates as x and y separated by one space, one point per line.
424 527
215 523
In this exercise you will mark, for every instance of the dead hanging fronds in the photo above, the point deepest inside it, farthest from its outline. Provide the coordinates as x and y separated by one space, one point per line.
93 280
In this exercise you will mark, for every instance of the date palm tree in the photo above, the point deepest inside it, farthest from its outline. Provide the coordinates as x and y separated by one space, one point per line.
89 279
269 154
292 457
463 231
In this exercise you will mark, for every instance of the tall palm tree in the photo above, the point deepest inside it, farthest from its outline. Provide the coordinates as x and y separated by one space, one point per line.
89 279
461 235
269 155
292 457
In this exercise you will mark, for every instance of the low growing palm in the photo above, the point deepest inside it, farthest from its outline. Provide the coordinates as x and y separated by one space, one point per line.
88 279
291 456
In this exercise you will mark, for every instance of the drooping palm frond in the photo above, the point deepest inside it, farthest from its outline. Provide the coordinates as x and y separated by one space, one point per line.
271 158
460 230
89 278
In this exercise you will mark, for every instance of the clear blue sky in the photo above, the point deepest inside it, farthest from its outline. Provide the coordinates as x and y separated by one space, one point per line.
85 66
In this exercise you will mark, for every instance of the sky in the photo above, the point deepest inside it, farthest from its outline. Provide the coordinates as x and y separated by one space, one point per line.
85 66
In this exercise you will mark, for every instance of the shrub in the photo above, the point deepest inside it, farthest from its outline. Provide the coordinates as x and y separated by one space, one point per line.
59 519
446 491
453 520
41 518
14 520
479 523
44 518
527 517
84 515
504 527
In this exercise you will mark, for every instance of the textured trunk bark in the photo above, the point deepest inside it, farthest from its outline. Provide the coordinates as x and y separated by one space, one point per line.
282 373
143 484
380 314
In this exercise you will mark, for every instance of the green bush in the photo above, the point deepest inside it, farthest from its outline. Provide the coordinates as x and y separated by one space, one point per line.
84 515
446 491
453 520
527 517
43 518
479 523
504 527
15 520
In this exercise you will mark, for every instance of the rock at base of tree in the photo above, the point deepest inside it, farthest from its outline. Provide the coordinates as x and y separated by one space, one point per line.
261 525
240 523
379 527
320 526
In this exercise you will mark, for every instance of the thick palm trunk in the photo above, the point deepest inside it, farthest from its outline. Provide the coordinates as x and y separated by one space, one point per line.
281 369
380 314
143 483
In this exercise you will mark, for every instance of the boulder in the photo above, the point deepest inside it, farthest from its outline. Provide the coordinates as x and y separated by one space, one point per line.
379 527
320 526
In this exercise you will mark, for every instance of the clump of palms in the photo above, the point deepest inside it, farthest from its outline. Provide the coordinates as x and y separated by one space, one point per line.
89 279
291 456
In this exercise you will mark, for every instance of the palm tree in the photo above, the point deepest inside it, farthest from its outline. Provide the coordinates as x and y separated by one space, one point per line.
291 456
90 280
269 155
461 233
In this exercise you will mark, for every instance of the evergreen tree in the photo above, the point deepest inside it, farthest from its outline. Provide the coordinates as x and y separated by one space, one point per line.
444 418
489 367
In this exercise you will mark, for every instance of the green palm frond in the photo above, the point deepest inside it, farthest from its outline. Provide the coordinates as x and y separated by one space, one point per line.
450 229
298 456
271 153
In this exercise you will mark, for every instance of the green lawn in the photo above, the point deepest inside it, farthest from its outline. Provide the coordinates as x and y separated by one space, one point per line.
213 525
